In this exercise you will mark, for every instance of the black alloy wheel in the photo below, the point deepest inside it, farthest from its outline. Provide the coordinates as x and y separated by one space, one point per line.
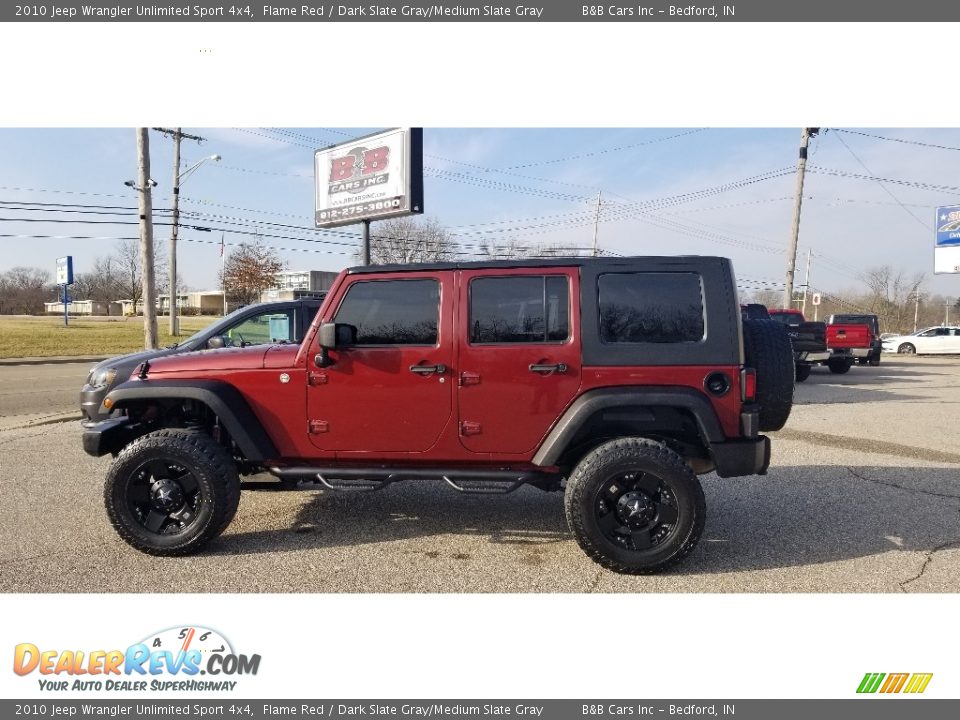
164 497
636 510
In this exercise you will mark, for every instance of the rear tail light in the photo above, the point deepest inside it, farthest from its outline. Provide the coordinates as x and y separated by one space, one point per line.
748 384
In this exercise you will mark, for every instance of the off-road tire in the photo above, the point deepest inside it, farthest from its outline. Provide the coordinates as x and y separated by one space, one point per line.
803 372
648 458
768 349
839 367
217 495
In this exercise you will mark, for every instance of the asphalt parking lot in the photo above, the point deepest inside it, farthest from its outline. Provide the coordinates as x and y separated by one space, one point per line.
863 495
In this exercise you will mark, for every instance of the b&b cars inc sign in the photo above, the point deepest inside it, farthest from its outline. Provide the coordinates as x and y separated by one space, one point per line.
370 178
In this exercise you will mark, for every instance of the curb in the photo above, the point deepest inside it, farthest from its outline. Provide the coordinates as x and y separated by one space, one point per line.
58 360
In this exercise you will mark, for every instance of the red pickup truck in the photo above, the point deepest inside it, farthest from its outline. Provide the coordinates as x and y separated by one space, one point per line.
847 342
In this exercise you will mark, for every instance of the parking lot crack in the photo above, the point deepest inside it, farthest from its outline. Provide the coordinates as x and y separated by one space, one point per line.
926 563
886 483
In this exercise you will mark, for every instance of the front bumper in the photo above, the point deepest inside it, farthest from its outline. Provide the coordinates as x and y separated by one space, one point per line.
736 458
107 436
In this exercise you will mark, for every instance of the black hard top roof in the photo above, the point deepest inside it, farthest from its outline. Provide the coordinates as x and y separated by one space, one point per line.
532 263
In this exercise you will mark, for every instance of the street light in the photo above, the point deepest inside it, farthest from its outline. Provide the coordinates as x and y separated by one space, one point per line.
178 180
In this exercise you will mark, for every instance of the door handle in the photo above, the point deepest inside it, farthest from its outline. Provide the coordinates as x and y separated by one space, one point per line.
548 369
428 369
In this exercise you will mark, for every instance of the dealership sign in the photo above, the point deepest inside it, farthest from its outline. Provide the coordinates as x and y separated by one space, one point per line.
946 254
65 270
371 178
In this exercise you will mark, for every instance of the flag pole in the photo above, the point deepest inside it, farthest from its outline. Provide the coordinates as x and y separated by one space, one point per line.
223 280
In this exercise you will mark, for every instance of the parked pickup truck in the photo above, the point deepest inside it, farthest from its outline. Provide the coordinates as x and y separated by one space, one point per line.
873 323
848 342
809 340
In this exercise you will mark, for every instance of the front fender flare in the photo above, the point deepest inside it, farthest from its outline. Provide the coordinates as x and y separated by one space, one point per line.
223 399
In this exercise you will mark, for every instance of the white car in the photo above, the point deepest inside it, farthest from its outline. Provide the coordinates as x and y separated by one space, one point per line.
929 341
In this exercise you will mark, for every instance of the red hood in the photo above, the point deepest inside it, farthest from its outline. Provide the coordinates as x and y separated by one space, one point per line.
224 359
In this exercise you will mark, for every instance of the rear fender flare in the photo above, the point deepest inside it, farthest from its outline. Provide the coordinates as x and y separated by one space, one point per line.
594 401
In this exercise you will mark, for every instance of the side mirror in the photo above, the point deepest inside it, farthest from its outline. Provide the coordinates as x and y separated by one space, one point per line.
337 335
216 342
332 336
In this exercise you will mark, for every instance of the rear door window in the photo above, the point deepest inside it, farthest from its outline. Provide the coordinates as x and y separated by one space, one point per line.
519 309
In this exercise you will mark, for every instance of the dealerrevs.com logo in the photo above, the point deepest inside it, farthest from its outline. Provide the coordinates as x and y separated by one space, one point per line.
172 659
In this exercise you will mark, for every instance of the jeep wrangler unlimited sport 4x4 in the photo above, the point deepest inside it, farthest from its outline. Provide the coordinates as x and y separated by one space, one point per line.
616 380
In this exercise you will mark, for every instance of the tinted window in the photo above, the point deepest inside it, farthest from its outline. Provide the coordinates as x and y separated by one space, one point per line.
650 308
519 309
393 312
786 318
267 327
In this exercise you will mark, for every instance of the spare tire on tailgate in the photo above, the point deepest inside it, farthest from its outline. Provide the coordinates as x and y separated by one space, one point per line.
768 350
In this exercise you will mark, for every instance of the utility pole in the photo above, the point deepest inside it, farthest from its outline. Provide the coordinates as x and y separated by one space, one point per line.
806 284
916 308
177 136
596 224
144 186
946 307
798 201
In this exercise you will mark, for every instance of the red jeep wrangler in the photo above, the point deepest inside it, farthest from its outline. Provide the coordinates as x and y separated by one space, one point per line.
616 380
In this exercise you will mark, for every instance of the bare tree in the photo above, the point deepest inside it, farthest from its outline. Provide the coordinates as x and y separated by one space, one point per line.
891 295
23 290
511 248
102 284
126 261
406 240
769 298
249 270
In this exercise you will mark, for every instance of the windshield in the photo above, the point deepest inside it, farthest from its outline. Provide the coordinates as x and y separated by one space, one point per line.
219 323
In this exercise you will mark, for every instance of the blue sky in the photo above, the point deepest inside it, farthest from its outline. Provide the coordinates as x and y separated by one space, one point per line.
537 186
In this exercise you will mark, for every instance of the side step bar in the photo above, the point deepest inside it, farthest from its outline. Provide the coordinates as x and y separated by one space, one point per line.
478 482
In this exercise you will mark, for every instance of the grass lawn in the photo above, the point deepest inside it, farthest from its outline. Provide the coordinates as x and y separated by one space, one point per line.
46 336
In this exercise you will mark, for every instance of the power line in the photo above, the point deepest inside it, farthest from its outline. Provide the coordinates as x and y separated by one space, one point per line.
897 140
953 189
882 186
607 150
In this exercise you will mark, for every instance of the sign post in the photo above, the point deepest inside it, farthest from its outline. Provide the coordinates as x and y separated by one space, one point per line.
65 280
373 177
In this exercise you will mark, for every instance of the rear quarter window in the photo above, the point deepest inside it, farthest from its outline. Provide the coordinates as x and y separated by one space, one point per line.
651 307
